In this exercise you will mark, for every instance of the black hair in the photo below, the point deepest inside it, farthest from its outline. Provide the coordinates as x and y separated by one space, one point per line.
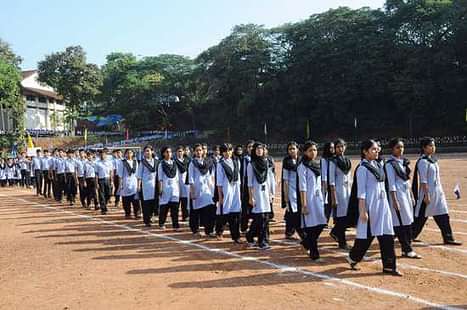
365 146
309 144
204 145
327 150
340 141
180 147
394 142
225 147
252 142
424 142
147 146
256 145
197 145
292 143
164 149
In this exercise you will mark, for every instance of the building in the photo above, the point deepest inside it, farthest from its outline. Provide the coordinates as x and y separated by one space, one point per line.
45 109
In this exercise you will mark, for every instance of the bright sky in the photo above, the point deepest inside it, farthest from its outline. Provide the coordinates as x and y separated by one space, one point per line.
143 27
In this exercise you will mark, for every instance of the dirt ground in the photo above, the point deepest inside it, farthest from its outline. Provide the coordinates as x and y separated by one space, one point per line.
57 257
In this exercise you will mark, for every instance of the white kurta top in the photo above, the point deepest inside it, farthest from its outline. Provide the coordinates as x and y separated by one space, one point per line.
403 194
232 199
170 186
203 187
429 174
262 193
341 181
3 173
376 203
148 180
324 177
291 177
184 188
129 181
309 183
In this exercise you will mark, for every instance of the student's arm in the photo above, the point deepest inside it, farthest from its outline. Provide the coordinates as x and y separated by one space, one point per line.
191 180
391 177
423 174
219 182
361 195
251 191
285 185
332 183
324 176
159 179
302 187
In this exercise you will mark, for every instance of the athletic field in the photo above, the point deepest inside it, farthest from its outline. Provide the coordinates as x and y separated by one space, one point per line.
59 257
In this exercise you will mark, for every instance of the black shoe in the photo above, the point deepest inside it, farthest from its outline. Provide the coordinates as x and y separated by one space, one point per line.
452 242
147 224
344 247
392 272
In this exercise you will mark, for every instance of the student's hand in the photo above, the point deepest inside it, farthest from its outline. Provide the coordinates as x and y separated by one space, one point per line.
221 201
413 202
305 210
427 199
396 205
364 217
251 201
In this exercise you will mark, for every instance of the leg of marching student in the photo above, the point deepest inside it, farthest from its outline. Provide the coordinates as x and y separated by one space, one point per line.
221 220
403 237
174 208
184 206
164 209
417 226
148 210
126 202
388 254
194 221
312 235
359 249
136 207
102 202
234 225
444 226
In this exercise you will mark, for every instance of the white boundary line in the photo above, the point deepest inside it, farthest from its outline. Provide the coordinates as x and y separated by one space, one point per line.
281 267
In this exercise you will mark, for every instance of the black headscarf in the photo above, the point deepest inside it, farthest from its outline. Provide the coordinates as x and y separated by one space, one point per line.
203 167
404 175
343 163
129 169
313 165
182 165
260 165
148 166
431 160
231 174
378 171
170 170
290 165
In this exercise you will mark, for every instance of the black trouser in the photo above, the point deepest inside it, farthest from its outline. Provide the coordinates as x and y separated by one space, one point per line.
258 228
129 201
339 230
3 183
184 206
311 240
82 191
245 215
206 216
25 178
404 234
164 210
91 192
71 187
38 175
293 224
116 188
233 219
148 210
105 191
441 220
386 247
60 185
47 189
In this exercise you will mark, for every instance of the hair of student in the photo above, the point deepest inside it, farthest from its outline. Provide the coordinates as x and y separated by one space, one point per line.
180 147
365 146
292 143
128 151
340 141
309 144
394 142
327 150
250 142
164 149
148 146
204 144
256 145
424 142
38 151
106 149
197 145
225 147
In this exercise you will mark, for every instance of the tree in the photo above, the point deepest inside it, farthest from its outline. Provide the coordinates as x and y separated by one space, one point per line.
8 55
72 77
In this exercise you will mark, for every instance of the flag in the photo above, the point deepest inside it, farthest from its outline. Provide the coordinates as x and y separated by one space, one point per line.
355 122
265 129
457 191
30 143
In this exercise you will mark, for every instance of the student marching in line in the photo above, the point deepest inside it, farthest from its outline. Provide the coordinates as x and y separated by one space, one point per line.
104 175
3 180
310 201
89 167
261 194
326 156
228 186
169 189
71 178
24 163
53 173
339 183
46 161
147 184
431 200
60 172
201 180
36 167
116 161
289 191
246 207
129 184
401 199
375 218
80 160
272 172
10 172
182 164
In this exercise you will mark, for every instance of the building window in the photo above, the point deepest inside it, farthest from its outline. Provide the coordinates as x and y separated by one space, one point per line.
30 98
42 100
59 102
51 100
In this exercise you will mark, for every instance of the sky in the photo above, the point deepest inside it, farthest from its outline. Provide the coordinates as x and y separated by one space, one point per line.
35 28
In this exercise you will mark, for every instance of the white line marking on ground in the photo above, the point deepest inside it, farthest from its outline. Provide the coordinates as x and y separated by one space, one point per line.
322 276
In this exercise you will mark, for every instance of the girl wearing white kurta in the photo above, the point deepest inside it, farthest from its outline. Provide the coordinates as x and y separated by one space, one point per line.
311 203
260 185
339 183
169 189
129 184
201 179
326 157
401 199
182 164
246 208
292 215
116 162
147 175
2 173
431 200
228 186
374 215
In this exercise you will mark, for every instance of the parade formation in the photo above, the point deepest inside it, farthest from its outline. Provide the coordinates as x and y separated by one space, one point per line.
235 187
